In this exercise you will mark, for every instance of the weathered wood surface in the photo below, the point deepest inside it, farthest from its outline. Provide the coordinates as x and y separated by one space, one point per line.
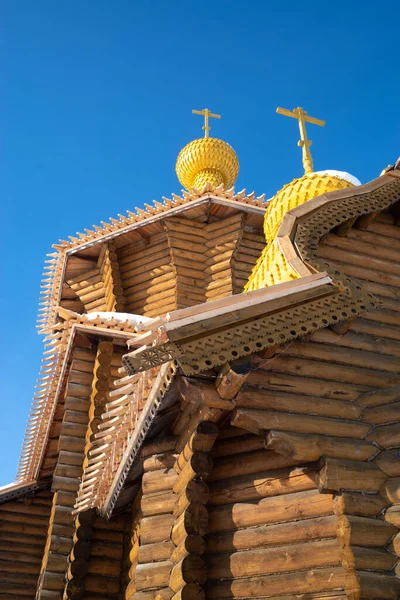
23 527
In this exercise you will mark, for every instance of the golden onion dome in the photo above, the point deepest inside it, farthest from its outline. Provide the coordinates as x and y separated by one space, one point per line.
301 190
207 160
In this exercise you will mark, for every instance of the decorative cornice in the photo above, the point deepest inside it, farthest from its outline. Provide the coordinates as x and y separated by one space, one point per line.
55 262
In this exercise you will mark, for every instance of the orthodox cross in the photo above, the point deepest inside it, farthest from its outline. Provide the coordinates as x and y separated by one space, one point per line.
304 143
207 114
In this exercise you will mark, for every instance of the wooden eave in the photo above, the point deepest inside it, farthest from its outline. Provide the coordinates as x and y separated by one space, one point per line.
303 227
19 490
217 332
196 205
44 405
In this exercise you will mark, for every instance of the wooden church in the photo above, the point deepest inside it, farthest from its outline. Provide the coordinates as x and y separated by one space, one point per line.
218 410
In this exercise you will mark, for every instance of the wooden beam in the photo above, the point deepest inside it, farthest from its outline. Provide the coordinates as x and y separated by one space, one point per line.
231 377
365 220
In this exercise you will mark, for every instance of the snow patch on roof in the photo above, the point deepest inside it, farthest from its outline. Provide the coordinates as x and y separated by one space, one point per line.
118 316
341 174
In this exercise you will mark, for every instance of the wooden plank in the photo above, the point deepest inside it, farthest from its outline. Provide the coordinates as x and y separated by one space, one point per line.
272 535
310 448
261 485
262 561
299 582
339 474
258 398
258 421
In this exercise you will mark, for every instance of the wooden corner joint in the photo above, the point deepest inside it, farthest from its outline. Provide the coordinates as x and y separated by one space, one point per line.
193 465
231 377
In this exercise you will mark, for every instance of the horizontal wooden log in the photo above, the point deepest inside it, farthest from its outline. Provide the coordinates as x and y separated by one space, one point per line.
201 393
262 485
153 575
53 581
20 569
258 421
155 552
156 529
379 397
352 503
71 443
300 505
161 446
265 399
339 474
191 569
158 481
392 515
300 582
364 531
191 591
312 386
263 561
71 458
389 462
391 490
61 544
158 503
161 594
107 549
273 535
373 559
101 585
310 447
249 463
345 356
385 413
104 566
358 341
378 586
164 460
395 545
334 372
228 447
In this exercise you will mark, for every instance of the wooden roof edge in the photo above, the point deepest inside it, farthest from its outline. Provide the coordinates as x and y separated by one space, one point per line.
148 414
55 262
213 316
292 217
19 489
36 435
225 304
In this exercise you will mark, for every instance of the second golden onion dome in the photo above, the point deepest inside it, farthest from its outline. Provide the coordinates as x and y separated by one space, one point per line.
207 160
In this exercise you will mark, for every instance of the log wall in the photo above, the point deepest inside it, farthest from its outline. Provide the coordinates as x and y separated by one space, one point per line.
105 565
190 263
151 545
269 527
371 342
23 526
70 455
99 287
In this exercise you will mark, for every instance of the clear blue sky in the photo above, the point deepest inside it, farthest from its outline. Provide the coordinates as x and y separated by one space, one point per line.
96 104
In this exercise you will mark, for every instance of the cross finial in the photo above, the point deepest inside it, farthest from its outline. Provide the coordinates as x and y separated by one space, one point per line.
303 118
207 114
